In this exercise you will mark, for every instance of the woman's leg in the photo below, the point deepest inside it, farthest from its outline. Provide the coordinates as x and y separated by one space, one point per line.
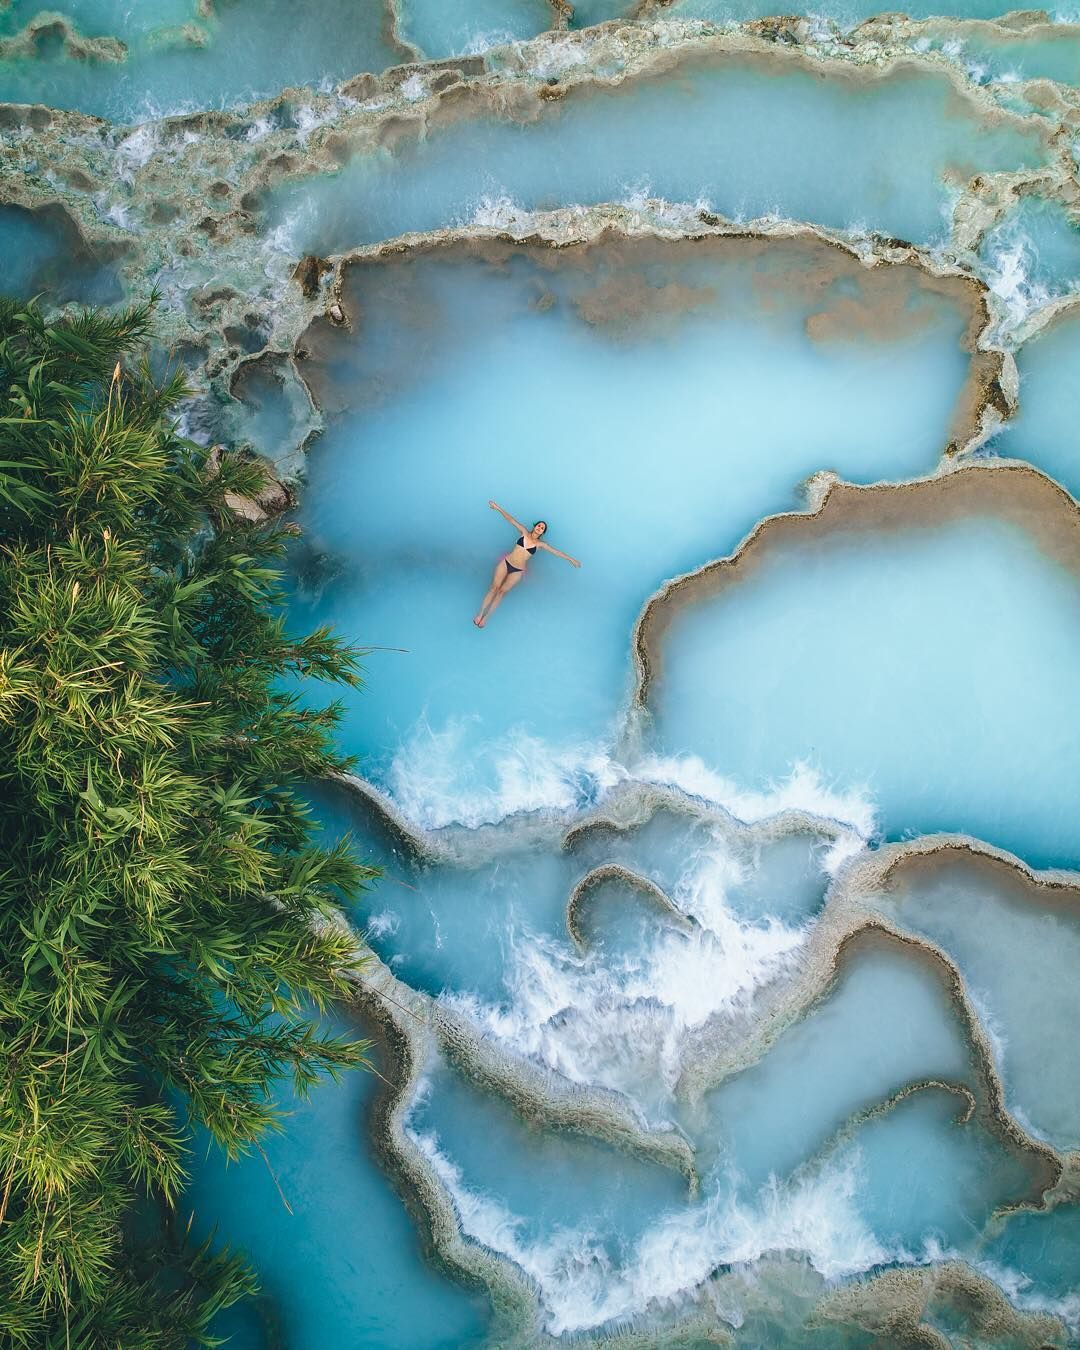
500 595
497 578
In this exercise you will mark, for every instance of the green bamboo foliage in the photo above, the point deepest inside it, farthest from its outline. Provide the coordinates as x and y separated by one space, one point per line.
162 896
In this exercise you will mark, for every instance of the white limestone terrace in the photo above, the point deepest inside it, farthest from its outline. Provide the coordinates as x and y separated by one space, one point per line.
188 198
856 958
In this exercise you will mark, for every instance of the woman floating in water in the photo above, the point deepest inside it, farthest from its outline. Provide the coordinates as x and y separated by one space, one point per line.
510 569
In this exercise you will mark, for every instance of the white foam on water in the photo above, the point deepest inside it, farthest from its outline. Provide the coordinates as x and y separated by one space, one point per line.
484 41
308 120
582 1288
558 56
443 777
621 1023
847 844
118 214
1021 1292
991 1027
803 790
383 924
282 239
1008 274
498 211
446 776
682 216
1023 1119
137 149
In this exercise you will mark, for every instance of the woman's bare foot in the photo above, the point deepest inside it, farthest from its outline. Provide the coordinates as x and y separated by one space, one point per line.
478 621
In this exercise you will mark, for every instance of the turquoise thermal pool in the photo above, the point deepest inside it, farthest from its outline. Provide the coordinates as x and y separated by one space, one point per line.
1000 930
956 606
722 969
667 135
846 13
1050 401
178 59
643 349
437 29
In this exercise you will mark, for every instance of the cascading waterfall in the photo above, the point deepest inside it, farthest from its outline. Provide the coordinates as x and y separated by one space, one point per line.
724 961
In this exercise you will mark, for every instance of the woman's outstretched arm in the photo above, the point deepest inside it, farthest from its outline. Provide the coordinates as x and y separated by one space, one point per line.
507 516
558 553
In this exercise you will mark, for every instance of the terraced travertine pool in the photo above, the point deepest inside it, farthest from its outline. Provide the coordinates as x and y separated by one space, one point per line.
724 960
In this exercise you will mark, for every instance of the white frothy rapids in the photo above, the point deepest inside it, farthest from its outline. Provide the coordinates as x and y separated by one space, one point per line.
581 1287
1009 278
136 150
622 1024
498 211
484 41
445 776
442 776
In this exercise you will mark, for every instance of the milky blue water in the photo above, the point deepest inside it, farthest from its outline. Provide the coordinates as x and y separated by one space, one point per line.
1045 427
847 652
177 61
428 918
915 1179
620 1014
674 136
950 1180
588 12
370 1284
1033 255
1037 1256
888 1025
438 30
782 878
1017 949
586 1185
274 413
1044 53
103 18
527 401
847 13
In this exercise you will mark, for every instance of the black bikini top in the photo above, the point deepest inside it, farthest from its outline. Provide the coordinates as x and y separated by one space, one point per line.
521 541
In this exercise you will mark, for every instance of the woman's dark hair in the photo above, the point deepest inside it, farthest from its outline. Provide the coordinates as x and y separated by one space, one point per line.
539 522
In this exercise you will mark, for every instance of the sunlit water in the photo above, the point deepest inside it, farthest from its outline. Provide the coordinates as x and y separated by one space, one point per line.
374 1287
438 29
998 56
